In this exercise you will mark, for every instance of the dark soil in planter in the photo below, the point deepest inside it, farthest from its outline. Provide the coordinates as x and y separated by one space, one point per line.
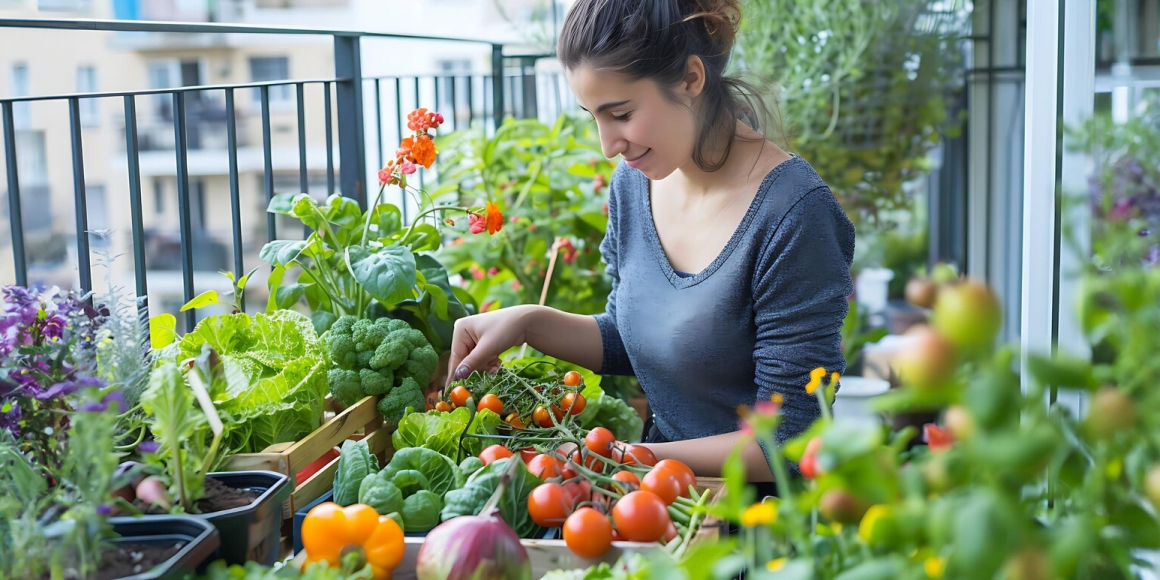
121 560
219 497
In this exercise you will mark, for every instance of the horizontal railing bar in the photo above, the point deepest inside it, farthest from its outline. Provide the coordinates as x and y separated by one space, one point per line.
210 28
168 91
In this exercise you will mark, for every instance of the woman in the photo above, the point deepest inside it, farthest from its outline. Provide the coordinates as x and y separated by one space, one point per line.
730 258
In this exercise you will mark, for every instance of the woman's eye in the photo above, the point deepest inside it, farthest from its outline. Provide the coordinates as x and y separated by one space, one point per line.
623 117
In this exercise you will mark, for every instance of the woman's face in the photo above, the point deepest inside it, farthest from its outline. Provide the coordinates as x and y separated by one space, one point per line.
654 134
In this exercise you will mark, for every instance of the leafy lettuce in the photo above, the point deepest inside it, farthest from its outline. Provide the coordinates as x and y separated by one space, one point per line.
275 375
439 431
513 504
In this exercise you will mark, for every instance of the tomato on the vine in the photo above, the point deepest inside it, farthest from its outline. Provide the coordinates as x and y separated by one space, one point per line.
527 454
545 466
592 461
634 455
599 441
574 402
588 533
628 481
460 395
671 533
664 483
579 491
494 453
684 475
444 407
491 403
641 516
514 420
541 417
549 505
558 412
572 379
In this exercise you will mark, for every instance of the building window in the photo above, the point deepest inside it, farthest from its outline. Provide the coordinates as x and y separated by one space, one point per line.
21 112
271 68
90 108
158 197
169 74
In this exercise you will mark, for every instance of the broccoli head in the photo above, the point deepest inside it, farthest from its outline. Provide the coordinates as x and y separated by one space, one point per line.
378 355
377 383
394 405
345 386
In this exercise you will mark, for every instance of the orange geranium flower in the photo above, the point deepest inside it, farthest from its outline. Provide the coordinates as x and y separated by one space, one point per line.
422 150
494 218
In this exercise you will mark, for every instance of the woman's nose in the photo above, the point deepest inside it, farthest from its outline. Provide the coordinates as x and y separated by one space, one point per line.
611 143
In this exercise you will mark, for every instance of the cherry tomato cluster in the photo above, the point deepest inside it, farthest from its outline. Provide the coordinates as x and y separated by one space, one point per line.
603 490
519 402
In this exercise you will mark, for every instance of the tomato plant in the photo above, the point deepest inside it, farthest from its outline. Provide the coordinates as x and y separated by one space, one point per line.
574 403
684 476
664 483
545 466
572 379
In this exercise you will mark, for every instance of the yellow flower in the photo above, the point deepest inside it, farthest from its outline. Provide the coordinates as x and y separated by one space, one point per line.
759 514
775 564
815 379
934 566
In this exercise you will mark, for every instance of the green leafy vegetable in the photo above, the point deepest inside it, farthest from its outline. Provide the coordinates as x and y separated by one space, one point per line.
513 504
355 462
274 376
380 493
372 357
469 466
421 511
441 473
441 431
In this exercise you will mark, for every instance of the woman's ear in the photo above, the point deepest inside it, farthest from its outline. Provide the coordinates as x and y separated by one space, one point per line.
694 82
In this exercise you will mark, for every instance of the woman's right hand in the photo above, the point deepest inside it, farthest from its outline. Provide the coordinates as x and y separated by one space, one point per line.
479 339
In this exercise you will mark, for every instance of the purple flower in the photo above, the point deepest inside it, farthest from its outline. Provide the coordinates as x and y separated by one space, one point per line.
61 389
93 407
147 447
104 510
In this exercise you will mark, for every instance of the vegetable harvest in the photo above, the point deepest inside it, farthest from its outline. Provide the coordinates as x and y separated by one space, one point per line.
378 358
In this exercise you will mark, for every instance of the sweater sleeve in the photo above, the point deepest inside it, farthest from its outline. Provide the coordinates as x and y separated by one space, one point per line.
801 284
615 359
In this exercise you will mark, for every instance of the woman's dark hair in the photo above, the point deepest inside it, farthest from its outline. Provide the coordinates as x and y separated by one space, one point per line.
653 39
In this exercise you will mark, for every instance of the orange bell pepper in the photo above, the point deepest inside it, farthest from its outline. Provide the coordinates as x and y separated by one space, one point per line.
331 531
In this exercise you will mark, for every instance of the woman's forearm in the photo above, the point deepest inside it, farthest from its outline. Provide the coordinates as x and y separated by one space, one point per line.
571 337
706 455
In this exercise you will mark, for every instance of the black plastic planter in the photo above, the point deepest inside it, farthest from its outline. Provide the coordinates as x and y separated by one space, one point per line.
201 543
253 532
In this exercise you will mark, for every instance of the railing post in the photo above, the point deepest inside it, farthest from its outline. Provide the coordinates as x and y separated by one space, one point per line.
497 104
351 144
15 214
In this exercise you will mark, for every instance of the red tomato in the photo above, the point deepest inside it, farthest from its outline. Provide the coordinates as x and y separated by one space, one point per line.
664 483
545 466
494 453
641 516
600 441
588 533
572 379
684 475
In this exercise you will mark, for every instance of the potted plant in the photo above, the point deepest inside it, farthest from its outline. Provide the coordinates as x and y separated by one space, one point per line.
65 531
187 450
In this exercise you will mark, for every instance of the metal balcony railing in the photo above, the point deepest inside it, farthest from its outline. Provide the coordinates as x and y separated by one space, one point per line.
510 88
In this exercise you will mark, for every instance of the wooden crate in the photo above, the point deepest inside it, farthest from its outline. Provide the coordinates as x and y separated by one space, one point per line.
548 555
361 420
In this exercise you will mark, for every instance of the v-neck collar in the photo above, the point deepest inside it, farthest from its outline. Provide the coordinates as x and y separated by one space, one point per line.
680 282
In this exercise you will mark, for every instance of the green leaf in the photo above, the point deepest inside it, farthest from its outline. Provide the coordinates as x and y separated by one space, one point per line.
282 203
287 296
513 504
423 238
442 474
388 275
386 217
162 330
343 211
273 282
282 252
202 300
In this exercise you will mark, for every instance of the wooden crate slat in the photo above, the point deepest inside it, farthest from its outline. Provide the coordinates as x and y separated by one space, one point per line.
332 433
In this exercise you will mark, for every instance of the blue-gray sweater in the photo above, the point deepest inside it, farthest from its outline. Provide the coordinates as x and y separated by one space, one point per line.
755 322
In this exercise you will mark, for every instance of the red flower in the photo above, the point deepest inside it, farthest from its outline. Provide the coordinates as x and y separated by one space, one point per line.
492 271
598 182
408 167
569 250
937 438
385 176
494 218
476 272
516 285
